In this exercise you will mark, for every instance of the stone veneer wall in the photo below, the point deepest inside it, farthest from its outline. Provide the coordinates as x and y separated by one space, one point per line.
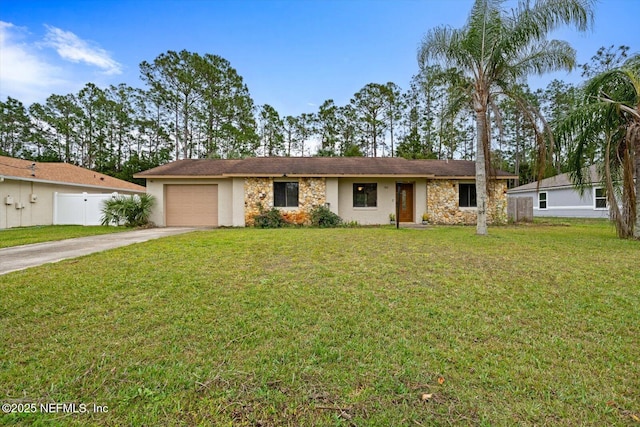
442 204
312 192
257 192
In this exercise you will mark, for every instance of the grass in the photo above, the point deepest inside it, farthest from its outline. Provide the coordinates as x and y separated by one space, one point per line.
46 233
534 325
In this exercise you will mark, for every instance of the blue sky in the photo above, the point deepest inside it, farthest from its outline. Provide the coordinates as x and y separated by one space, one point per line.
292 54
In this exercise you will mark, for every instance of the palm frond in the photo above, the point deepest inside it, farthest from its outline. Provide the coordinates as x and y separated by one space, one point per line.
620 87
445 45
543 57
534 23
484 31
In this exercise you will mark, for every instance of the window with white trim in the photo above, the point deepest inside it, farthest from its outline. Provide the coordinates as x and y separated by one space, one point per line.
365 195
285 194
600 198
467 195
542 200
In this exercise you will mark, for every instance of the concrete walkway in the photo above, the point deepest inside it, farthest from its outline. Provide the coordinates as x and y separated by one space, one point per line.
26 256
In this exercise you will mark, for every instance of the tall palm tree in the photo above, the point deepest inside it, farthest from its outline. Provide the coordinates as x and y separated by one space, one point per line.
608 120
495 50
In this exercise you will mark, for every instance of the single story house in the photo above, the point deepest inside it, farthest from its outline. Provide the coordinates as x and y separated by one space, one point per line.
218 192
28 189
556 196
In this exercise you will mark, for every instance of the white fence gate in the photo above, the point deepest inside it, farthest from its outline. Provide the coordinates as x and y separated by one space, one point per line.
78 209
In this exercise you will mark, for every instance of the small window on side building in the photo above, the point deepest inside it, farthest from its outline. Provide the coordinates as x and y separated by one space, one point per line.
600 198
542 200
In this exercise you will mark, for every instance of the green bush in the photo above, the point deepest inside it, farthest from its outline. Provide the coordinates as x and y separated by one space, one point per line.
132 211
269 219
321 216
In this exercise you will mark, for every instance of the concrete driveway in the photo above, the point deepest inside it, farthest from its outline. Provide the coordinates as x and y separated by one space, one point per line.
26 256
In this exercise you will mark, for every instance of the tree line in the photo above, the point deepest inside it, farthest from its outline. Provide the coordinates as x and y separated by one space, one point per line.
197 106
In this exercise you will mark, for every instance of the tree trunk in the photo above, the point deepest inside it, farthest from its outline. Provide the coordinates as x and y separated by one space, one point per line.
615 214
480 103
517 154
185 139
634 139
481 174
177 132
391 130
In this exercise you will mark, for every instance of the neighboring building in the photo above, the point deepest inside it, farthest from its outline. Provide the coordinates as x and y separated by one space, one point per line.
214 192
556 196
28 189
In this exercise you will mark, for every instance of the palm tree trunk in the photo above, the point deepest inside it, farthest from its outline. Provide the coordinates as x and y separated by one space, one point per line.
633 135
615 215
481 173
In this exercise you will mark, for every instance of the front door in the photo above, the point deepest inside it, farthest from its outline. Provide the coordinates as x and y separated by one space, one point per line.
405 196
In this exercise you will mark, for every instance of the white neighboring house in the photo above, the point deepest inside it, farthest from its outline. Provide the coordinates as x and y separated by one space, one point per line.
556 196
36 193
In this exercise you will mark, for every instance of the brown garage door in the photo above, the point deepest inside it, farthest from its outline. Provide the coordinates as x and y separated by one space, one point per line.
191 205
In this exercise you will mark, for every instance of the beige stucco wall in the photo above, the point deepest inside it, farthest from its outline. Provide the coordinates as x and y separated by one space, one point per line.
238 202
367 216
228 210
420 199
443 203
258 193
39 212
332 194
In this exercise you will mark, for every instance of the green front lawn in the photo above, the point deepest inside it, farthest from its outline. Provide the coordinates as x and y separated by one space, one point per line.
47 233
534 325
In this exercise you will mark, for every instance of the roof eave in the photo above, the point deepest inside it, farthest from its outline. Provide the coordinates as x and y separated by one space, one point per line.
137 175
361 175
324 175
553 187
473 177
319 175
72 184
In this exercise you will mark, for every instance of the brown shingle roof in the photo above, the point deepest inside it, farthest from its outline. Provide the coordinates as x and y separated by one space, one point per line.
62 173
191 167
323 166
562 180
317 166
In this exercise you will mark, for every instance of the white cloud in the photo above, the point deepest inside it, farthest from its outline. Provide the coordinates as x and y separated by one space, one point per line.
72 48
31 72
24 75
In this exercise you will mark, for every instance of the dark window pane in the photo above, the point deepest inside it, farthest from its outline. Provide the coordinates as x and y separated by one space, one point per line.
365 195
292 194
467 196
279 194
601 198
285 194
372 195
